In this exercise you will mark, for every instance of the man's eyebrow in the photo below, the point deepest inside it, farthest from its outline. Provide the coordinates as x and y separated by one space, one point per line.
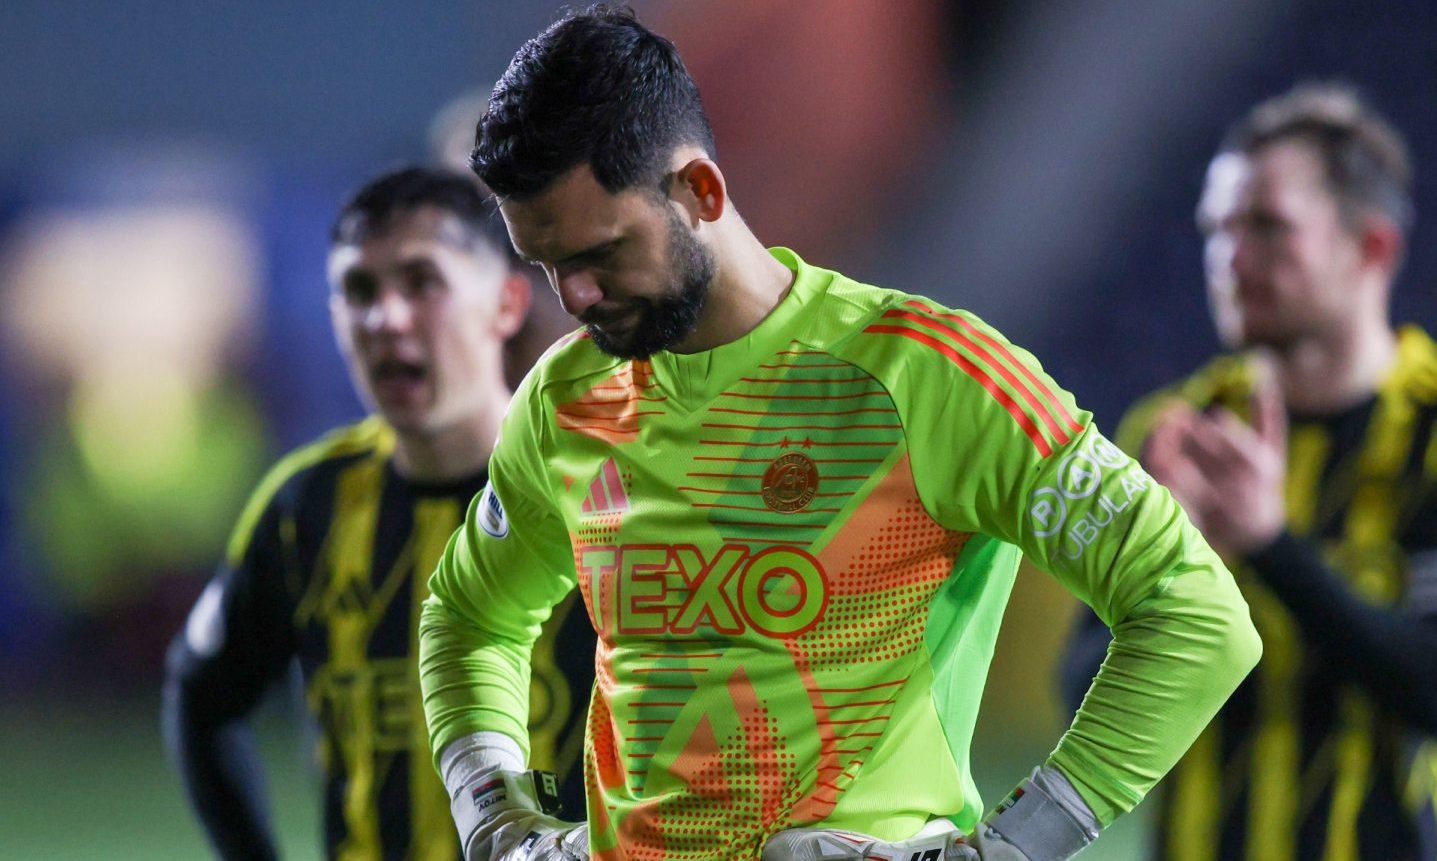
416 261
582 253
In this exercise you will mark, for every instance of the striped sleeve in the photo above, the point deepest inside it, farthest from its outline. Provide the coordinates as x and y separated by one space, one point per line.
1033 403
982 418
998 447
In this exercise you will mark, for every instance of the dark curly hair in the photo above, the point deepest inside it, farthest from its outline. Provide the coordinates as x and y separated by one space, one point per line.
597 88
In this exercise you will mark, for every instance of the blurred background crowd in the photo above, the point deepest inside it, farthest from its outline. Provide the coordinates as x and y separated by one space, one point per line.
168 173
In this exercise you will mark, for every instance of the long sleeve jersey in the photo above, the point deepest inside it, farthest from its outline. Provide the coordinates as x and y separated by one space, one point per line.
796 549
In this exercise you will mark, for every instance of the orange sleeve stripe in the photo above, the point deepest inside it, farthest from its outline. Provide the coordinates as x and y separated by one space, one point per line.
1041 410
1022 367
1019 415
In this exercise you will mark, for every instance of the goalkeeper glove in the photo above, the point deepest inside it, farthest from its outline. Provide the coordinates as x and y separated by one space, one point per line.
503 812
1043 820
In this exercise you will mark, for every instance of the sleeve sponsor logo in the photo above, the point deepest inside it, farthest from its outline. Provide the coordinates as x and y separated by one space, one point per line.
1100 473
491 515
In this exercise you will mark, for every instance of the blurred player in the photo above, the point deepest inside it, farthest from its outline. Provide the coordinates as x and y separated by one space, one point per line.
793 504
1308 457
329 563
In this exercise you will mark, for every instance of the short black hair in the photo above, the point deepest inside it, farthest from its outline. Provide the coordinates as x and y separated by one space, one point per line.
374 208
597 88
1363 156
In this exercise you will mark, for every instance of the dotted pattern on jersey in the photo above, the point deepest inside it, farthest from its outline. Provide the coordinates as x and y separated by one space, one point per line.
728 787
603 770
600 526
881 596
884 568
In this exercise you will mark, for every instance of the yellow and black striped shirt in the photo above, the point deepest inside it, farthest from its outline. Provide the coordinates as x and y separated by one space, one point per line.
1325 751
329 564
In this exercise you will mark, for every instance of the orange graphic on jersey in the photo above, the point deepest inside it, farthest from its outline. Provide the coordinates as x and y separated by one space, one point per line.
694 823
747 777
610 411
749 781
765 753
890 548
604 769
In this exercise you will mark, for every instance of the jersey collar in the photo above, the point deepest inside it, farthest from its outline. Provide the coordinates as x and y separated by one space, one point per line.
693 379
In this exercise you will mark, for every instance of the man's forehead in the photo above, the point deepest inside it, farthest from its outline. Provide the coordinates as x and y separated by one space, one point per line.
424 224
411 233
1227 178
575 212
1288 166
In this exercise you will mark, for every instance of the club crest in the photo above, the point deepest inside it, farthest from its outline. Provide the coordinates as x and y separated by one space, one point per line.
790 482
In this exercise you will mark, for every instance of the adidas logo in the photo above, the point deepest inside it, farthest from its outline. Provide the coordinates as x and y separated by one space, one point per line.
606 492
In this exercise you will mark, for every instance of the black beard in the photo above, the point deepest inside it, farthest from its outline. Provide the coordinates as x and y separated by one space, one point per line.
661 323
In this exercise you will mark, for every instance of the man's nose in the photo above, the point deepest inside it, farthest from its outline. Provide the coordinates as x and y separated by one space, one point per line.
577 291
391 312
1246 258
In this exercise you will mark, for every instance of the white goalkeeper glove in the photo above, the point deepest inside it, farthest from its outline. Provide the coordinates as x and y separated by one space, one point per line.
1044 819
503 812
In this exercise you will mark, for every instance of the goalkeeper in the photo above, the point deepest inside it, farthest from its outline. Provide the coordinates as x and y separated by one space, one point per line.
794 506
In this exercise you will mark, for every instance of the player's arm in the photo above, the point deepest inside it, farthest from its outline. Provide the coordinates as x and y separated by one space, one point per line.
1006 452
1089 514
504 570
1089 638
998 448
1083 655
1392 652
237 640
1182 639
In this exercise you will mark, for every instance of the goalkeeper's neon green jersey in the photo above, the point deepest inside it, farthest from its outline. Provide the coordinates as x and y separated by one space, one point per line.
796 549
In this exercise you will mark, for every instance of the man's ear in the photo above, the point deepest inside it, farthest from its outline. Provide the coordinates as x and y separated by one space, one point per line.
700 189
515 295
1381 245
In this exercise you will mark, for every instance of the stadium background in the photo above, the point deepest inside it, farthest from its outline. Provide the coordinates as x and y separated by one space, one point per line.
167 176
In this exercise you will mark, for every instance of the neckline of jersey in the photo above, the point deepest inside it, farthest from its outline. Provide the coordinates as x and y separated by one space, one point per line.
694 379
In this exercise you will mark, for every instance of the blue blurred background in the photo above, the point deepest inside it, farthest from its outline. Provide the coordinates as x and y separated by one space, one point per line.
168 173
